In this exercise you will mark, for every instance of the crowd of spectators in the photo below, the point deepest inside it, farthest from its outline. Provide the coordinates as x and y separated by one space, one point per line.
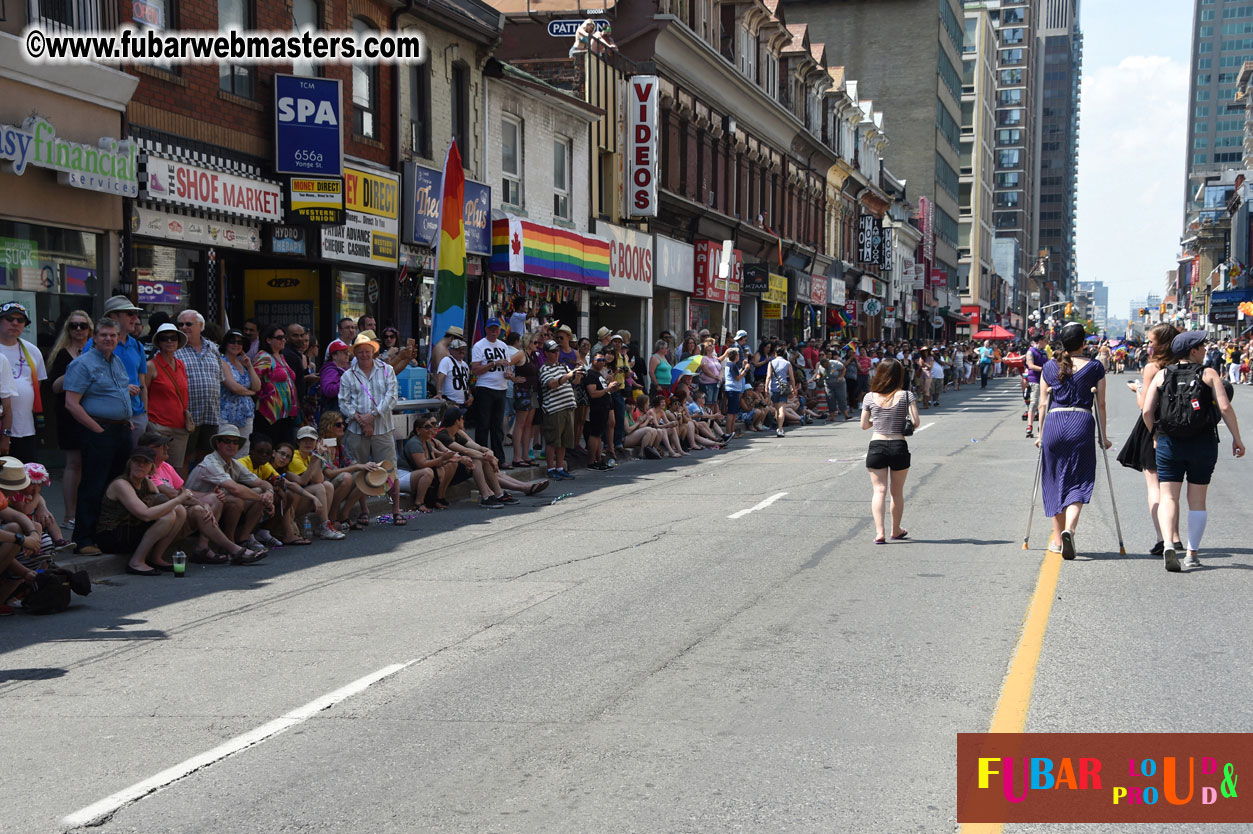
246 441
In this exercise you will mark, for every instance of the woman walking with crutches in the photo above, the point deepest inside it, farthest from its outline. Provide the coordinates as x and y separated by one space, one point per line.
1068 437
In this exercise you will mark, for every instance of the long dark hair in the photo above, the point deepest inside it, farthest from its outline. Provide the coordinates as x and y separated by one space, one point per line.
1163 334
889 377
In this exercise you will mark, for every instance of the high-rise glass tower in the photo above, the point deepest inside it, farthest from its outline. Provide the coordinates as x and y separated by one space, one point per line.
1062 46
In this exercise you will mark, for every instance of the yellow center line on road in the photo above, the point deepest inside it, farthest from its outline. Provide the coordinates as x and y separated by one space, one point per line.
1015 701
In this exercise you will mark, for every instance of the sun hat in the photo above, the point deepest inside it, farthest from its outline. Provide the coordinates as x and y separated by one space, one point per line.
374 481
13 477
227 430
338 344
306 431
365 337
617 337
38 474
565 328
455 331
602 333
116 304
169 328
14 307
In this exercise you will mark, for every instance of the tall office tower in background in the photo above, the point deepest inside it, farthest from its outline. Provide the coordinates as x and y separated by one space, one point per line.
1062 44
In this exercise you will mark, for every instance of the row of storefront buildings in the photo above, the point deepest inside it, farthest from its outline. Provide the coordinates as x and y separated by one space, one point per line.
699 165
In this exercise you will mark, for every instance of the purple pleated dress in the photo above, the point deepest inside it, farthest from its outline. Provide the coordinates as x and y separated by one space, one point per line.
1069 438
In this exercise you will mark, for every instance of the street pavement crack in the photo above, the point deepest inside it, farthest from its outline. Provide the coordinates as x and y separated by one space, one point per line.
653 538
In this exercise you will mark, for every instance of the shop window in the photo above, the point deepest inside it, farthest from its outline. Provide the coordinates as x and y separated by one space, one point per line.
365 82
460 100
562 152
50 270
511 151
235 78
420 109
304 14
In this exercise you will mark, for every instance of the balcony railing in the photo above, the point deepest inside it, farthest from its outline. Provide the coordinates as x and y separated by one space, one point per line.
73 15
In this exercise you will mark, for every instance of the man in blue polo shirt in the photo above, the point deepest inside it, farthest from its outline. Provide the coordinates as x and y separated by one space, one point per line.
98 397
131 352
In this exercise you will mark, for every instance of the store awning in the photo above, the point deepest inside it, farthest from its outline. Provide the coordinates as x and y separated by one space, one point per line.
954 316
527 248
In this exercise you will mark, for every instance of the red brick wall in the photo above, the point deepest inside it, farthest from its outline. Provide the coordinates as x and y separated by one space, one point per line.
189 103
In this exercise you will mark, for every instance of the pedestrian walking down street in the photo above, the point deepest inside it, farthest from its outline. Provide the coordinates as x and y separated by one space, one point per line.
1139 452
1067 437
1034 360
1185 404
887 409
780 382
985 363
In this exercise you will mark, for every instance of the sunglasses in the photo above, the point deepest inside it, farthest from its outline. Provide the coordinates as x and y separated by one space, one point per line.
78 325
167 337
341 424
231 441
234 342
186 323
280 337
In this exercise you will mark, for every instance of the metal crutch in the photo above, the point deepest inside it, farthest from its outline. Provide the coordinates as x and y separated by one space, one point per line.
1035 486
1096 413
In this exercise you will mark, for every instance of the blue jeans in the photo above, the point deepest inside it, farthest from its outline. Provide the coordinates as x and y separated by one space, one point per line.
837 397
619 419
985 368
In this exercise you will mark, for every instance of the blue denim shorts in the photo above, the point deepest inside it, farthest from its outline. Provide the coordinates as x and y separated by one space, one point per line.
1190 457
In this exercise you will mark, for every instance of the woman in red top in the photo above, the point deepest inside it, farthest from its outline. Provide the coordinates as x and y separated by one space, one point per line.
168 398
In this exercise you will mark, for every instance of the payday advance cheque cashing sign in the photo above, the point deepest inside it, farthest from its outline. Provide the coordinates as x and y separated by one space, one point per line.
109 168
369 235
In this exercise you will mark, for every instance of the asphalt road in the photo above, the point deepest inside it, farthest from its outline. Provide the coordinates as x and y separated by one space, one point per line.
628 659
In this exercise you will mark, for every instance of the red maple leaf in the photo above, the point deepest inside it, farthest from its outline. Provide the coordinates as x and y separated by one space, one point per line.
517 243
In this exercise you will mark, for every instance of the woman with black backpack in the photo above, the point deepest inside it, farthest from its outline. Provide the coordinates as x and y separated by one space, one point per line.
1186 403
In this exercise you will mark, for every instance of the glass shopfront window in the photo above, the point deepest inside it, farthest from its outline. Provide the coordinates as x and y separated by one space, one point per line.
350 295
52 271
164 276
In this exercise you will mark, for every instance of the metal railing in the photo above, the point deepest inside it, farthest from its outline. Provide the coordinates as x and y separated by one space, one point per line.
73 15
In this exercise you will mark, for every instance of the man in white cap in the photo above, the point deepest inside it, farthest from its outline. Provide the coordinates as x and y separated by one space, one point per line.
368 392
131 352
452 379
26 366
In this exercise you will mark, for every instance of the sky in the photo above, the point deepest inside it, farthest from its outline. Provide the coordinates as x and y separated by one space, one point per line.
1132 132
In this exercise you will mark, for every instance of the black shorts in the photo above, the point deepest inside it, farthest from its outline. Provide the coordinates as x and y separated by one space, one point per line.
888 454
597 420
122 540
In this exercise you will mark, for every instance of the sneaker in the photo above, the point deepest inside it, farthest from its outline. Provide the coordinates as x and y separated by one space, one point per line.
89 550
554 474
1191 561
727 436
611 463
252 543
491 504
599 467
506 498
652 453
778 432
267 539
1068 545
564 474
329 532
1171 558
1157 549
6 611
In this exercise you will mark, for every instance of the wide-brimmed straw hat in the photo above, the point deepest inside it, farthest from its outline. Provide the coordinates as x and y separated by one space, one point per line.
374 481
365 337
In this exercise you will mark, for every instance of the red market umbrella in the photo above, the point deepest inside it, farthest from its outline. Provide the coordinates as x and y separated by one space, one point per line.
997 333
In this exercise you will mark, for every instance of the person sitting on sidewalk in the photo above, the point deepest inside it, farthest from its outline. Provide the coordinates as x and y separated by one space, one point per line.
661 419
18 548
708 415
258 462
452 435
341 468
305 481
246 497
639 435
137 521
30 502
202 517
753 412
449 467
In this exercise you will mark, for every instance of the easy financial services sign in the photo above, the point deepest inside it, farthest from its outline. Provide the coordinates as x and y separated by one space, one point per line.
308 126
109 167
641 162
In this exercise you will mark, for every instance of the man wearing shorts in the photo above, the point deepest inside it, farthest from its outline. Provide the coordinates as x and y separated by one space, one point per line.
1035 360
558 398
368 392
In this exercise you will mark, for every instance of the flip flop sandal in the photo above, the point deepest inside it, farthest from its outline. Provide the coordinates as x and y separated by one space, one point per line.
363 519
880 541
301 542
904 535
399 521
537 487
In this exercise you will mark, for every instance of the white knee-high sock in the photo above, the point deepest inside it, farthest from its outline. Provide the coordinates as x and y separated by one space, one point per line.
1196 528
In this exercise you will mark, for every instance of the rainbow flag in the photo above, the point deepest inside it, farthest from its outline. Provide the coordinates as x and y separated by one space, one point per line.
450 253
534 249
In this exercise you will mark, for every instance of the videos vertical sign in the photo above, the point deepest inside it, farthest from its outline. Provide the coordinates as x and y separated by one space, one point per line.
641 161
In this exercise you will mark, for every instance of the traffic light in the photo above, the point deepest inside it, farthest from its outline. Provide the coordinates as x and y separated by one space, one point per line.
1143 312
1162 309
1070 308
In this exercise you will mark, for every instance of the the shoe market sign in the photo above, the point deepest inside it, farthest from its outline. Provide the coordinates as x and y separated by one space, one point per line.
108 167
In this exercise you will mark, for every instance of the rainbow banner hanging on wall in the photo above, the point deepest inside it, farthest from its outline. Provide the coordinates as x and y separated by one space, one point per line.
450 253
533 249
